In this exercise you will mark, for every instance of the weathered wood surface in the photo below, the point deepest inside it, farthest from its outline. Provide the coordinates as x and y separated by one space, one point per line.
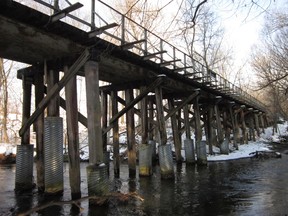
93 113
73 136
130 125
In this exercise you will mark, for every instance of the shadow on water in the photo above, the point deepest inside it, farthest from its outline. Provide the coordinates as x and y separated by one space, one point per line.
240 187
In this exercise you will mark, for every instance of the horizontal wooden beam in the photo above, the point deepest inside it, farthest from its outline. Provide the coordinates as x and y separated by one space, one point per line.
129 106
55 90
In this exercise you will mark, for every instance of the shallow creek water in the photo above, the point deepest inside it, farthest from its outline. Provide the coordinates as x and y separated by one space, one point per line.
239 187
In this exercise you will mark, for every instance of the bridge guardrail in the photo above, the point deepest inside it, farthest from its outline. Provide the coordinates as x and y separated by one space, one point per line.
139 40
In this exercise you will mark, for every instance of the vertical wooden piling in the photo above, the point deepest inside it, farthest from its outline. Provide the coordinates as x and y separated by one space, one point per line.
188 142
144 118
104 98
53 108
233 121
116 157
200 146
257 123
93 112
252 127
262 123
73 136
209 123
151 119
243 127
175 131
160 116
219 125
131 135
39 126
27 86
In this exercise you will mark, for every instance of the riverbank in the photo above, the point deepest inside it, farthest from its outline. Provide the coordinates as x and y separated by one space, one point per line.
8 151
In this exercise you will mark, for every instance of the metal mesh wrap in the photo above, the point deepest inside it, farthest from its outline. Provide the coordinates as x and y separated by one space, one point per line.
166 161
97 179
53 154
189 151
145 159
24 167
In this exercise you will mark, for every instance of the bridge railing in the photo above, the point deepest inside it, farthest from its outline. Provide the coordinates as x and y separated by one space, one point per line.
130 35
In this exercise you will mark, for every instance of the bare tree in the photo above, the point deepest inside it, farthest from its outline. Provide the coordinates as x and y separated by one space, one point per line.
270 61
203 36
4 75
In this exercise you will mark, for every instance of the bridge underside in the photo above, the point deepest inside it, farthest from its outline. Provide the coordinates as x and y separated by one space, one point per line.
27 36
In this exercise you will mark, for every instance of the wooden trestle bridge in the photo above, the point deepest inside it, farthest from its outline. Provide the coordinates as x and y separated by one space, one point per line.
170 85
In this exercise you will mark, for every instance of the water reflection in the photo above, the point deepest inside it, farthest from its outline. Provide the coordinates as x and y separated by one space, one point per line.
244 187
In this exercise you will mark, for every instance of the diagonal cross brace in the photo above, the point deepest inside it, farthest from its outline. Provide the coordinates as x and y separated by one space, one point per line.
55 90
129 106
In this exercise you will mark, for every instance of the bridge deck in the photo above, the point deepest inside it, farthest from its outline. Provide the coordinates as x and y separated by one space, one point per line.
27 36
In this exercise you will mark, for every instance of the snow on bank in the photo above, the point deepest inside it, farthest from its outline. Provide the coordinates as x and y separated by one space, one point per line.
7 148
244 151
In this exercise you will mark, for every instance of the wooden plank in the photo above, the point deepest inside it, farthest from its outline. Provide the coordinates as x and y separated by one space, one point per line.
186 122
144 118
175 131
116 156
39 127
210 129
93 112
130 105
131 135
220 135
73 136
243 127
104 103
53 106
180 106
160 116
55 90
26 109
151 119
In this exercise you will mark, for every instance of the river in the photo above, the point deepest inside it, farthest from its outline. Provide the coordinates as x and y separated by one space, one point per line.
238 187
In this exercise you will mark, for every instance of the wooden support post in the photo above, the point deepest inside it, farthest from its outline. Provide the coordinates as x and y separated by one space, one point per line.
131 135
257 124
177 142
144 119
188 142
262 123
39 126
210 129
198 129
200 146
237 129
219 125
25 139
233 121
73 136
151 119
160 116
104 97
54 104
186 122
243 127
226 125
252 127
180 125
116 157
93 112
